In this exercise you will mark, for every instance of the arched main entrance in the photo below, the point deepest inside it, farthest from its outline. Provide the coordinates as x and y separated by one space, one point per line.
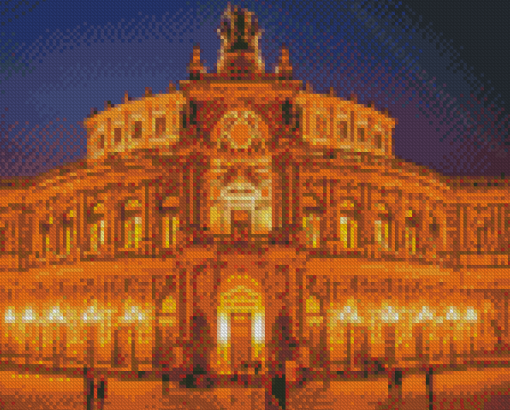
241 330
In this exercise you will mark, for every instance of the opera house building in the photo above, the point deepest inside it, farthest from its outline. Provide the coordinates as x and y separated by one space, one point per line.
242 224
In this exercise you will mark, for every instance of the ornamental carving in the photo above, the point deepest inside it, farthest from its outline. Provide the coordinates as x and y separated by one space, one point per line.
240 129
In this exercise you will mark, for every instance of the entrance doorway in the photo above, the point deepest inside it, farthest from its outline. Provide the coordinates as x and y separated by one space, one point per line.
240 342
240 223
241 330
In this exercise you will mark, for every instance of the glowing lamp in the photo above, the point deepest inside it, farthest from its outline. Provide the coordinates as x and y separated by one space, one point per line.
223 328
424 316
56 316
10 317
258 328
133 315
29 316
453 314
389 315
90 316
471 315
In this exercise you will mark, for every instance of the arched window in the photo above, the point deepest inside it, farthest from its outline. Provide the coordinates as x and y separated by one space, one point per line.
166 333
348 232
342 128
159 126
311 209
117 135
434 228
313 311
168 316
347 228
132 223
411 239
136 129
378 140
169 210
504 238
382 227
314 331
44 232
312 228
98 140
97 227
362 128
435 235
361 134
321 125
66 234
170 229
481 237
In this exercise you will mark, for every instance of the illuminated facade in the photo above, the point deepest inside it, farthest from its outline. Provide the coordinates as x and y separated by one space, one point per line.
243 222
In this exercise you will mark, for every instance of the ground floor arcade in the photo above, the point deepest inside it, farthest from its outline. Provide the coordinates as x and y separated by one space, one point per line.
247 314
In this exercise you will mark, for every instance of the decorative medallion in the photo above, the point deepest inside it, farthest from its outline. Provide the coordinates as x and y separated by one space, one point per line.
240 128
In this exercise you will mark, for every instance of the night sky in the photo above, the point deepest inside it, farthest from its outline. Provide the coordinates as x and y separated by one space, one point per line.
438 66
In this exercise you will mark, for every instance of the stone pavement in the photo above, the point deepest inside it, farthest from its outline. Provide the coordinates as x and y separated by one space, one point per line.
484 389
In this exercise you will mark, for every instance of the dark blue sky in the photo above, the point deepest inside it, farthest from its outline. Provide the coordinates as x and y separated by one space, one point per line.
59 58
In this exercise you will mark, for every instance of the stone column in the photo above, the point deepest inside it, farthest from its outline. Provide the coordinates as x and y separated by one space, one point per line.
24 240
441 244
277 195
286 190
146 203
398 229
499 324
506 332
91 342
295 195
184 308
326 301
111 224
390 342
134 335
81 234
301 321
188 219
365 226
290 299
463 220
429 380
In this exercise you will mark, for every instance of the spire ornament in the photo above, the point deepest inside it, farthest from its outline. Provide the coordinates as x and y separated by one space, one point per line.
284 68
195 67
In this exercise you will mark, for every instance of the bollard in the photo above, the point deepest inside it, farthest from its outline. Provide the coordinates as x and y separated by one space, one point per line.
430 387
166 384
398 378
101 393
275 391
395 386
89 388
395 379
